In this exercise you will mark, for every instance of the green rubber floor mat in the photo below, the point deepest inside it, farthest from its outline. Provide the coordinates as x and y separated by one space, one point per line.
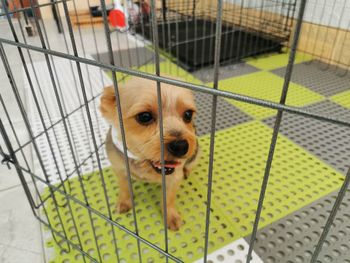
267 86
167 68
297 179
186 244
276 61
342 99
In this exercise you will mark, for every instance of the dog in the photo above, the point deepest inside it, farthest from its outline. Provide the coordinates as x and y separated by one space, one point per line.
138 99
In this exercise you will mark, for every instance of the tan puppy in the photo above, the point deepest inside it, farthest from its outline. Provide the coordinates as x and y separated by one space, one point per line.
141 123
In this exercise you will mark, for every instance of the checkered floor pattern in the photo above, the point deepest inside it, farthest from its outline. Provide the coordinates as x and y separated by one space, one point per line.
310 162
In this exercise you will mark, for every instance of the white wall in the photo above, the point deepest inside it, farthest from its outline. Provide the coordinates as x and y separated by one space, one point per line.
335 13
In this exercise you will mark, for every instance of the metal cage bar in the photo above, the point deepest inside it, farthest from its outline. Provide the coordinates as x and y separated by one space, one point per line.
176 13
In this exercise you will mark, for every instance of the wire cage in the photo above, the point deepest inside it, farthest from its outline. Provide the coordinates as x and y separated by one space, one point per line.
271 83
186 30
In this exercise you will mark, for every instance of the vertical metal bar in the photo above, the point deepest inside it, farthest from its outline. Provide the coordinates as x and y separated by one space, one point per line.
259 29
213 123
318 28
170 43
240 30
87 70
143 33
56 16
233 11
193 8
306 33
42 96
290 13
329 60
24 13
204 38
194 21
283 98
164 7
60 89
345 71
246 36
161 131
331 217
16 164
212 28
327 29
177 45
56 164
27 124
14 132
12 81
75 51
120 118
62 115
49 140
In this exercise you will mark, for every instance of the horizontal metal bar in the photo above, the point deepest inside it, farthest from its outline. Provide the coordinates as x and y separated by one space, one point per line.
57 122
194 87
18 10
66 240
72 172
99 214
85 160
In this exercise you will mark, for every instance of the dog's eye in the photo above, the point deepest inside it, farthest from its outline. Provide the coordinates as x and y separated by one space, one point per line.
144 118
188 115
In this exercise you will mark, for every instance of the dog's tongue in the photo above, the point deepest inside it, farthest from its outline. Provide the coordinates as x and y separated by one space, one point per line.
167 164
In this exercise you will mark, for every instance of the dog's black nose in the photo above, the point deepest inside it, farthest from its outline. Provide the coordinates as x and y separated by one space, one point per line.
178 148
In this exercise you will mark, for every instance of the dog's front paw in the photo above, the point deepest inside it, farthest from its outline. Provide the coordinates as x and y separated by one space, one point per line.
174 220
123 206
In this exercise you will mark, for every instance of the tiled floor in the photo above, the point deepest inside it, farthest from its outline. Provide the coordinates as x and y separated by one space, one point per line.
303 175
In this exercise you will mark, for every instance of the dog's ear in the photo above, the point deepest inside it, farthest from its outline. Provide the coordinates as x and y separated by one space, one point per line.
108 102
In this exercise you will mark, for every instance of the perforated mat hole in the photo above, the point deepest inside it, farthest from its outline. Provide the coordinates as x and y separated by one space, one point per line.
328 258
344 247
190 255
78 257
240 247
280 254
299 259
91 251
88 242
308 253
106 256
289 249
341 233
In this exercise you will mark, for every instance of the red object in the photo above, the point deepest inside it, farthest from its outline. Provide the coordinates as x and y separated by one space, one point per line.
146 9
117 18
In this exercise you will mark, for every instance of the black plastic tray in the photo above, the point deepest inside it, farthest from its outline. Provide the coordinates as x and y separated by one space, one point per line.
192 43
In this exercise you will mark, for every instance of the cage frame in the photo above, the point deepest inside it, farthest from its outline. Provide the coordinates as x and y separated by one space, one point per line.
10 156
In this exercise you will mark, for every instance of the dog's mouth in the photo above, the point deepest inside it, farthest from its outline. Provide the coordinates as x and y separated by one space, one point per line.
169 166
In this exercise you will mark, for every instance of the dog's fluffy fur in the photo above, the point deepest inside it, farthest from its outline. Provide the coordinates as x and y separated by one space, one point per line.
138 96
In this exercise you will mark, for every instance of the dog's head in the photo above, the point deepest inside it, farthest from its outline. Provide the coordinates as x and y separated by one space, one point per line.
141 121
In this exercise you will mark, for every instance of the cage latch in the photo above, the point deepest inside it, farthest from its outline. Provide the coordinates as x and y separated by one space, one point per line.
7 160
